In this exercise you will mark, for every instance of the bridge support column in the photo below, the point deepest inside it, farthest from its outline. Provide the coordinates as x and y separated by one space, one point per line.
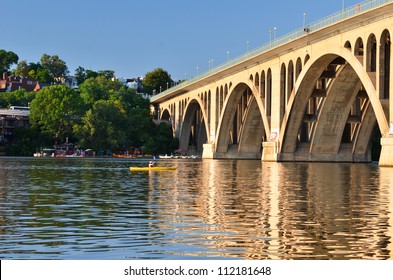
386 158
208 151
269 152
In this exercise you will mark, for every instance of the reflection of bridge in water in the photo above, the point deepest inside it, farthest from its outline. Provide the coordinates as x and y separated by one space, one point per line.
233 209
316 94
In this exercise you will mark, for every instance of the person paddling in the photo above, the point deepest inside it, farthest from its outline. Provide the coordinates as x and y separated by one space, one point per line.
151 163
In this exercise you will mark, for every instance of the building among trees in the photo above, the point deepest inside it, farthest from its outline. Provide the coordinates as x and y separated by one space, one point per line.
10 119
12 83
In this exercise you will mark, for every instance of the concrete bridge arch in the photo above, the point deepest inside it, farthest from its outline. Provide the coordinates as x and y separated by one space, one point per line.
194 128
332 109
243 123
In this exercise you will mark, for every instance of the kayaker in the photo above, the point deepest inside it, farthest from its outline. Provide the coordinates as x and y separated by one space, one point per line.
151 163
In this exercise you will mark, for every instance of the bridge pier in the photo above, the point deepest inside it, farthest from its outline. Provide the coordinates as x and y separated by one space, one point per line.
208 151
386 158
269 152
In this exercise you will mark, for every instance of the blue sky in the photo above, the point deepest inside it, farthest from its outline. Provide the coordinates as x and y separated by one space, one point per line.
134 37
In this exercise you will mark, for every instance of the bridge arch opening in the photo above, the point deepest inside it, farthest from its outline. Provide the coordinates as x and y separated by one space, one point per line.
257 83
348 45
263 86
165 115
283 90
241 130
193 133
268 98
359 48
332 116
298 67
371 53
384 60
306 59
291 80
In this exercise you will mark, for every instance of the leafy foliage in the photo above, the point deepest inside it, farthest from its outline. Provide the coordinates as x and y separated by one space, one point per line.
102 114
19 97
99 88
56 110
156 81
6 60
28 140
35 71
103 126
162 141
82 75
56 66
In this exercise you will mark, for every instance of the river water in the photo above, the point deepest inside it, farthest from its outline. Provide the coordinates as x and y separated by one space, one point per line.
206 209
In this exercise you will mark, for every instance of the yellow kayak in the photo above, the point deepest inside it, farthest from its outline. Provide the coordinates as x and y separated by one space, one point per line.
154 168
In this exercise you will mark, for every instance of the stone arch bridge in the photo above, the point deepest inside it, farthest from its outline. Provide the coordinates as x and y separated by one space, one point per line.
316 94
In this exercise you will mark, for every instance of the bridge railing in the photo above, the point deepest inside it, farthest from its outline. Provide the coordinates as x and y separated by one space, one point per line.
336 17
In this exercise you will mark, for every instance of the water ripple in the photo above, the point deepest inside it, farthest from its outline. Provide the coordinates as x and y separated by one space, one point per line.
97 209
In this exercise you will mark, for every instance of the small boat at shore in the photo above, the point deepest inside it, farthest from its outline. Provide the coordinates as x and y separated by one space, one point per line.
178 156
153 168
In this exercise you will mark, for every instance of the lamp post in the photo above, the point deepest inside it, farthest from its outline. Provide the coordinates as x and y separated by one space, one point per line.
270 37
210 64
343 8
248 45
227 56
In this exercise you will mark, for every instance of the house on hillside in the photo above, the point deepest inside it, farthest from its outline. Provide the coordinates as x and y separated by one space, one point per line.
12 83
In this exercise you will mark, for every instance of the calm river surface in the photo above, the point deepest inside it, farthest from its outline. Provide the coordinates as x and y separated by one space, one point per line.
206 209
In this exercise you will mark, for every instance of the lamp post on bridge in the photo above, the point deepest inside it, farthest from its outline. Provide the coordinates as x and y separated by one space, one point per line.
270 36
211 64
274 35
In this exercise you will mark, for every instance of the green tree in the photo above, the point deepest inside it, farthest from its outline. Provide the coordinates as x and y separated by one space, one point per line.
56 109
103 126
22 69
99 88
6 60
156 81
80 75
19 97
33 70
56 67
161 141
28 140
139 120
43 75
109 74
